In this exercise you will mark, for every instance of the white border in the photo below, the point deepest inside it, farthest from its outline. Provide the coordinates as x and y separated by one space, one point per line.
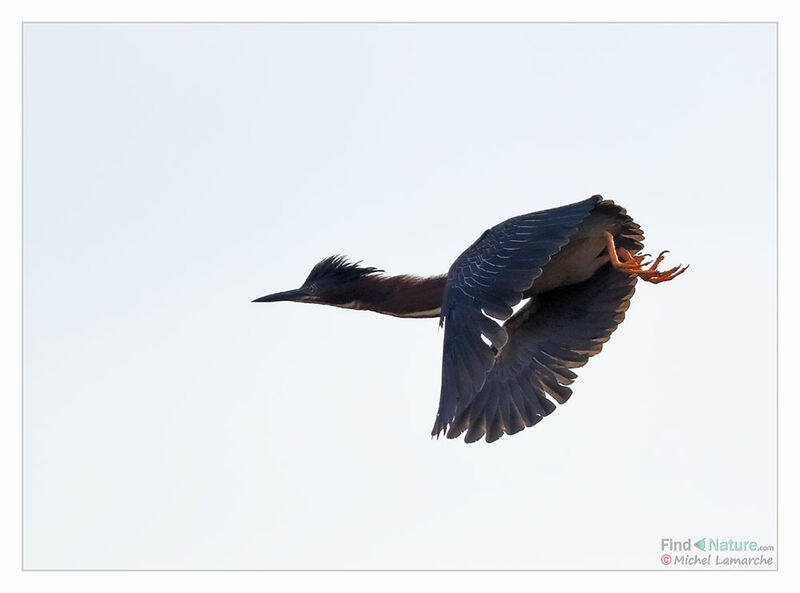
15 12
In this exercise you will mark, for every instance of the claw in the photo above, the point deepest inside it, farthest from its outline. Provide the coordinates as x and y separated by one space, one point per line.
669 274
635 265
658 260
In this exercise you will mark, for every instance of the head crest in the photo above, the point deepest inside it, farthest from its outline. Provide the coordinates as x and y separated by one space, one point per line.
339 269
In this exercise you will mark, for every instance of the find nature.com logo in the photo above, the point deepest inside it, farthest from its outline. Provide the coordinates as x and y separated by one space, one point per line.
721 552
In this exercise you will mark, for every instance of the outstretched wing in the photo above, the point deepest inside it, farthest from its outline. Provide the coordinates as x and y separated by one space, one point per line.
554 333
483 284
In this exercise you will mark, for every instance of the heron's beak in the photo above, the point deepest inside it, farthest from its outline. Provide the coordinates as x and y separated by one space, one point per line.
289 295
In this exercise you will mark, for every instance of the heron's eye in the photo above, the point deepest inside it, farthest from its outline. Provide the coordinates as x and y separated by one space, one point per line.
312 288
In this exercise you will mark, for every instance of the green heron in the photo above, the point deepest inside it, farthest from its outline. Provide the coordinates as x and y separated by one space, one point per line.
577 265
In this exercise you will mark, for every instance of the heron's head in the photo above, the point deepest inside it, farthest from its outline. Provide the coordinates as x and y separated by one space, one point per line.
333 281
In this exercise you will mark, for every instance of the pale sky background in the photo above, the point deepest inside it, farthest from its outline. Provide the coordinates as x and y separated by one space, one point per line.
174 173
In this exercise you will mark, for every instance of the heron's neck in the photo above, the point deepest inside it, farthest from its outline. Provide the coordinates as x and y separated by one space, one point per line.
401 296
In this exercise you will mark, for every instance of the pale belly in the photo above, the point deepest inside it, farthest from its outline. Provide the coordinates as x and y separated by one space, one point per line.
420 314
576 262
411 314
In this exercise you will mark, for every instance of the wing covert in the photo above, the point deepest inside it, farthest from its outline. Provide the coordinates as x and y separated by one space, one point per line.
483 284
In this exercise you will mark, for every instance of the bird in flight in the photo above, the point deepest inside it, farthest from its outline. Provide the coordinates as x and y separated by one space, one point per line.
577 266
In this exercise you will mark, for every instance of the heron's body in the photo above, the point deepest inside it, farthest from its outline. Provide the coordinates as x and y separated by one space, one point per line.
496 378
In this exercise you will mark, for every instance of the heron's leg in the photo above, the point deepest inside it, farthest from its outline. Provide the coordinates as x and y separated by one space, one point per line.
622 260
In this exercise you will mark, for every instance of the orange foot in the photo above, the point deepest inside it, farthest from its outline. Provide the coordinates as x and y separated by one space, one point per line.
624 261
